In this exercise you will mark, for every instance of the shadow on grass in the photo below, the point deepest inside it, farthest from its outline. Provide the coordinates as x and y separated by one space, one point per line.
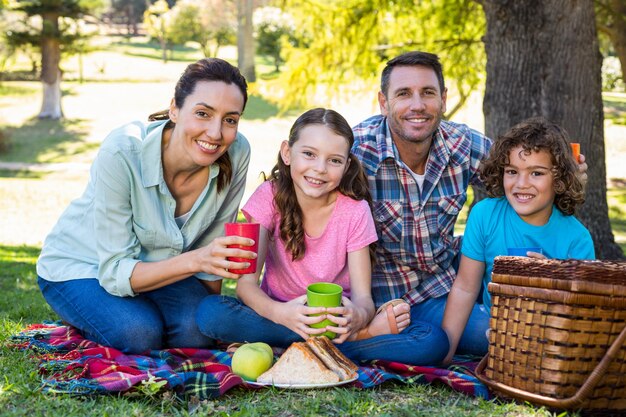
258 108
20 298
615 109
43 140
22 173
152 50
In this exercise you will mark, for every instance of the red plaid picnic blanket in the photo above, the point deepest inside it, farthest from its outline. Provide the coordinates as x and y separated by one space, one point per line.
71 364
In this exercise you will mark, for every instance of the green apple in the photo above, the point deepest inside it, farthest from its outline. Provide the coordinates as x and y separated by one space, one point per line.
252 359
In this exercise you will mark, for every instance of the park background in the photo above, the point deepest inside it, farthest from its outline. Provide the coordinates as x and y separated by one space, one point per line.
121 64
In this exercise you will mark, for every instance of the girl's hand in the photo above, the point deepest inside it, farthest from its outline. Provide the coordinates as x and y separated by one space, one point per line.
212 259
536 255
294 315
348 318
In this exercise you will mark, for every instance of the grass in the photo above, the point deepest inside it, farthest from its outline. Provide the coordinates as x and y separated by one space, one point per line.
21 303
615 107
152 50
48 141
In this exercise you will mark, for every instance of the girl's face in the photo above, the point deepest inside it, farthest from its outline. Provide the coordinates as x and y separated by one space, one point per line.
207 122
317 161
529 185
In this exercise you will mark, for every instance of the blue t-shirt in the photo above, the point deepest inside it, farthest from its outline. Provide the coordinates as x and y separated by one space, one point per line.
493 226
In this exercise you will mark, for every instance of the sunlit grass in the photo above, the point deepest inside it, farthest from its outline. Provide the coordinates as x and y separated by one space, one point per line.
615 107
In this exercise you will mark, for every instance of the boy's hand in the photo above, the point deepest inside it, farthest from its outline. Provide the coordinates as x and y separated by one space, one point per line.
582 169
536 255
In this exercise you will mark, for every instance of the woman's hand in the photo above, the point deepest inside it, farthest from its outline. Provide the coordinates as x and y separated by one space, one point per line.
212 259
294 315
348 318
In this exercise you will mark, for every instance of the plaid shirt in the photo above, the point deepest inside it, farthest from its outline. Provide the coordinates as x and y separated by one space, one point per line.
416 248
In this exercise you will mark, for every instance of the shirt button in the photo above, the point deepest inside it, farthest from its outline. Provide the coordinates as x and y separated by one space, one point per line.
425 245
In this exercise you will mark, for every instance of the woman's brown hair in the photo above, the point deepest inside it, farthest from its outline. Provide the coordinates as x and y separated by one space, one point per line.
533 135
207 69
353 183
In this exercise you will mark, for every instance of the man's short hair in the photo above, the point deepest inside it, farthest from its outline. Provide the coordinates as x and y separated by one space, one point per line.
411 59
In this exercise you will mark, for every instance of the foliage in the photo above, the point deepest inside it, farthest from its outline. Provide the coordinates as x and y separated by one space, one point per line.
273 28
344 41
611 25
29 31
25 34
210 23
612 78
156 20
129 12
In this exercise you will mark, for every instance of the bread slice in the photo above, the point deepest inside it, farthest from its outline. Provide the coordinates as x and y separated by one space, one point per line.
332 357
298 365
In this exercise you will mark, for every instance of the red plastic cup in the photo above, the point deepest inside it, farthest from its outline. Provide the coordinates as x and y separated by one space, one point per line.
251 231
575 150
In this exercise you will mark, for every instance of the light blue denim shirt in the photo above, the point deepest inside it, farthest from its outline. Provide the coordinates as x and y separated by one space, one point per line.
126 214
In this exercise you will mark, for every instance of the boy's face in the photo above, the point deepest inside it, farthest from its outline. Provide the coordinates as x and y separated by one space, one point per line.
529 185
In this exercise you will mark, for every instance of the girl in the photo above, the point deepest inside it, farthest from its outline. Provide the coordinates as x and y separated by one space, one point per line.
122 262
532 176
316 225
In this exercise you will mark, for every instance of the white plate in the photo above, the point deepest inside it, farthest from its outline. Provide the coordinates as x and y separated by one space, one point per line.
302 386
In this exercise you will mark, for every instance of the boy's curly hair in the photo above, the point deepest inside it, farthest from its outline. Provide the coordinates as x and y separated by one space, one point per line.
533 135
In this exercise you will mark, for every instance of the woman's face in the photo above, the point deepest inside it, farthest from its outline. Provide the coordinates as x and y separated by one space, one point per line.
208 120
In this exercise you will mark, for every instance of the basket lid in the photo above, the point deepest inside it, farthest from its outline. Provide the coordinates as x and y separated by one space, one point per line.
589 276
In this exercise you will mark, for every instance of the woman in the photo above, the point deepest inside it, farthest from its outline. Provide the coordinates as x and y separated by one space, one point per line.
125 262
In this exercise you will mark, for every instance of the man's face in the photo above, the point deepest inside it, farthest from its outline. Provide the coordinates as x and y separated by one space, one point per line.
414 104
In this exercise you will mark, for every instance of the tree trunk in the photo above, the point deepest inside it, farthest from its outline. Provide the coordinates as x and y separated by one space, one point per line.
543 59
50 72
245 40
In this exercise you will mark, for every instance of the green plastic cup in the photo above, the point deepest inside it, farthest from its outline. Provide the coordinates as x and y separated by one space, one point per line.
324 294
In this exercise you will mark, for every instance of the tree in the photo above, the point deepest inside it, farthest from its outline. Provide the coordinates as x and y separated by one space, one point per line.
210 23
543 59
157 21
131 12
245 39
50 38
343 41
273 27
611 20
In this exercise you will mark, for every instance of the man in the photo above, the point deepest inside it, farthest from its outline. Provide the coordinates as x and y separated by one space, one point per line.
419 168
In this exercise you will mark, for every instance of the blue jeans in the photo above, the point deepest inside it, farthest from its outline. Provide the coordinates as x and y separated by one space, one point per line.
474 340
161 318
228 319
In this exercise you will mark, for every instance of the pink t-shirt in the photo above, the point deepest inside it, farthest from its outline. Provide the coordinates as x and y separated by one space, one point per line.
350 228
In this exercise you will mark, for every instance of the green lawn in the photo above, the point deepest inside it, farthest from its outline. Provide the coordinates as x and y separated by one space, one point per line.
21 303
615 107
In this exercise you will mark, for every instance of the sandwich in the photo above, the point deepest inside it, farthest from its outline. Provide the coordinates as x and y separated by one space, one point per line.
332 357
316 361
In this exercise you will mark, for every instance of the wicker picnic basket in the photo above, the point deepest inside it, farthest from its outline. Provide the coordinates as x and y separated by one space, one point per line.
558 333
